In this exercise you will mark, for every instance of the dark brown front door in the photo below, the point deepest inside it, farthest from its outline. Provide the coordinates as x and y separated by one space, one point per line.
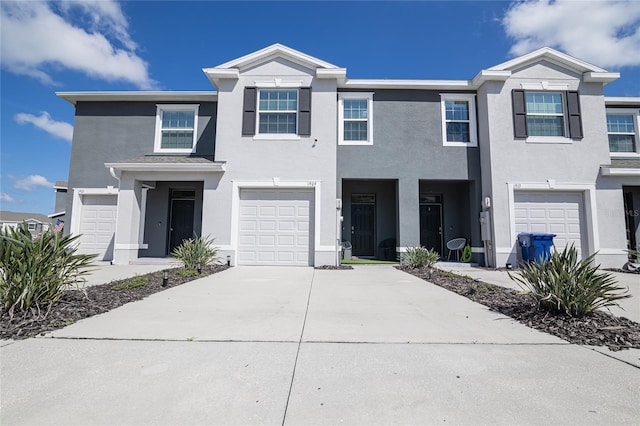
363 225
181 225
431 226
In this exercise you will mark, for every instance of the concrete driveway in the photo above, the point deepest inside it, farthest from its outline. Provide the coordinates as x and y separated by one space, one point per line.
258 345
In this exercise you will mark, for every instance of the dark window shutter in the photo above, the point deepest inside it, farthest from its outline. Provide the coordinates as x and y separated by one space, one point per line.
575 118
304 112
519 114
249 112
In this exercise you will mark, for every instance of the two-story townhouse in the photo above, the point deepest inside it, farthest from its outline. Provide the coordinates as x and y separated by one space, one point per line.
288 157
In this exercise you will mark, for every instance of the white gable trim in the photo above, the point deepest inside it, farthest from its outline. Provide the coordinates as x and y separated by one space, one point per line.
552 55
276 50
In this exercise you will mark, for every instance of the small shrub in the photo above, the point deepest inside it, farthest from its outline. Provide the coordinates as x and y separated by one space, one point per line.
186 273
420 257
35 272
134 282
196 251
564 284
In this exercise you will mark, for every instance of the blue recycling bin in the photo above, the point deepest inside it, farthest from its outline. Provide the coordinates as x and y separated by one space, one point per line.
536 246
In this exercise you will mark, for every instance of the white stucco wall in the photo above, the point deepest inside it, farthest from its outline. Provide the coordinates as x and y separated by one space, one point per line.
276 162
571 166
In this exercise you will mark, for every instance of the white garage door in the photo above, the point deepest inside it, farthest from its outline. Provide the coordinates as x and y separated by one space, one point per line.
552 213
275 227
97 225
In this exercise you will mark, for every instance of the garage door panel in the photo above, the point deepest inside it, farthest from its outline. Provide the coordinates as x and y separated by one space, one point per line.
248 225
97 225
281 235
551 212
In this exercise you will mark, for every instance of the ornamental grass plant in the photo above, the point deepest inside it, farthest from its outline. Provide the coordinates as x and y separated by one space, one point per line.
196 251
420 257
34 272
564 284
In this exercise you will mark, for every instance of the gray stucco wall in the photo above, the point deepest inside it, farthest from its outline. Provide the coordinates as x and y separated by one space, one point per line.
115 131
408 146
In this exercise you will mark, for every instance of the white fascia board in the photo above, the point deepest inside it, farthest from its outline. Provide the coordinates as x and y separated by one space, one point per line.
549 54
622 100
156 96
489 75
407 84
56 214
614 171
339 74
277 49
167 167
601 77
59 187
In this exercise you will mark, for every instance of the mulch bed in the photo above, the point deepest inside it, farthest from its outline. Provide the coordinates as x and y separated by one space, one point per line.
597 329
75 305
334 267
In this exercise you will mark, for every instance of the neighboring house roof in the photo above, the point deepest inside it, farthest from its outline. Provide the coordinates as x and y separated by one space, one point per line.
7 216
168 163
141 96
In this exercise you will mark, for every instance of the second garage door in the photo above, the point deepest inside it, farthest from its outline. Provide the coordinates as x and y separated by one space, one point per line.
557 213
97 225
275 227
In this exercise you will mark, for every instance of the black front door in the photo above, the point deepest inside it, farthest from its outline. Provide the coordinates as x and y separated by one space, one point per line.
362 229
431 226
181 222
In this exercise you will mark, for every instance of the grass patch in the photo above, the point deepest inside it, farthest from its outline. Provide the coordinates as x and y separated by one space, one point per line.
369 262
131 283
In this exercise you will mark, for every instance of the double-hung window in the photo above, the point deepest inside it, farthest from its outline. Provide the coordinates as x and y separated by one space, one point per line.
355 118
458 119
547 116
277 111
176 128
622 131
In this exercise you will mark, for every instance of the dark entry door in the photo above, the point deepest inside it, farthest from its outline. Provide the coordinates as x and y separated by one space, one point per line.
362 229
181 222
431 226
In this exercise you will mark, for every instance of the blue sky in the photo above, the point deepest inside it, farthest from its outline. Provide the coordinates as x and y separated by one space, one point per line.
160 45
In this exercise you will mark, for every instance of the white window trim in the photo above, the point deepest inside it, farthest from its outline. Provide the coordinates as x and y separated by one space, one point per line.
276 136
473 133
626 111
560 89
158 135
368 96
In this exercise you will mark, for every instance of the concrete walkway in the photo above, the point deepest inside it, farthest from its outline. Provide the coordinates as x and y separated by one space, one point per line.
294 346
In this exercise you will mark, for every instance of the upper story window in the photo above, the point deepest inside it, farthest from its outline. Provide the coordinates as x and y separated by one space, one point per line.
547 116
277 111
176 128
622 131
458 119
355 122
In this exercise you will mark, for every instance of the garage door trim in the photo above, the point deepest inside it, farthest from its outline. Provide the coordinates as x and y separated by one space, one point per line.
588 193
275 183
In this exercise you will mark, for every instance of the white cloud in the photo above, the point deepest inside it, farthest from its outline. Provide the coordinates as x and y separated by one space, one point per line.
31 182
6 197
59 129
38 37
605 33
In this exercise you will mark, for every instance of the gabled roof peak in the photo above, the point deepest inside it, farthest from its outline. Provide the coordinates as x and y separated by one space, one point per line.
552 55
275 50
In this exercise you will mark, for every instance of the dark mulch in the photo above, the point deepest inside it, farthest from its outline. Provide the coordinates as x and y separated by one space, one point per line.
597 329
334 267
75 305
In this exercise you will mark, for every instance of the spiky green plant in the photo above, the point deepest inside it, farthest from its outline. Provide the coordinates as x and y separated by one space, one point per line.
196 251
420 257
564 284
35 272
